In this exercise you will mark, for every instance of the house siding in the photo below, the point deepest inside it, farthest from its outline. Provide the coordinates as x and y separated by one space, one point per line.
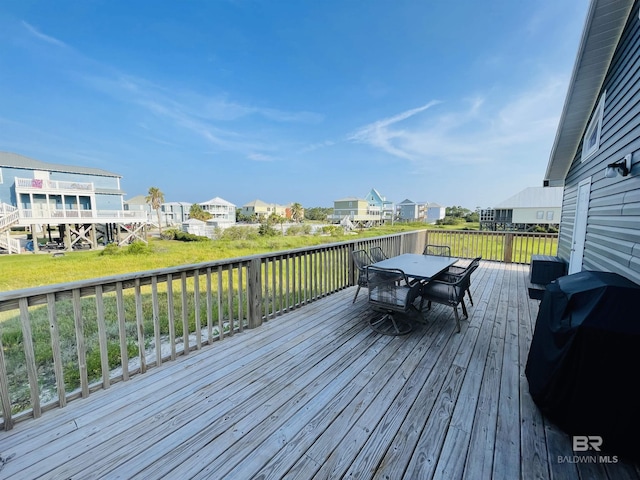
613 221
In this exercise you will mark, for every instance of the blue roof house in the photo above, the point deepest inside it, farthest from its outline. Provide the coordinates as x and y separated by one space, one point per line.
379 203
85 205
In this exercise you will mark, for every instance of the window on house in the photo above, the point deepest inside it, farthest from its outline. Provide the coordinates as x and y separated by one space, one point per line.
549 215
591 140
539 214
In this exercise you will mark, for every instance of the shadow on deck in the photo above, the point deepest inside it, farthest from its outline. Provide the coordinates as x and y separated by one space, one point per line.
316 394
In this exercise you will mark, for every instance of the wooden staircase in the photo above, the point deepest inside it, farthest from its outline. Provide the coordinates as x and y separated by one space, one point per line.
9 216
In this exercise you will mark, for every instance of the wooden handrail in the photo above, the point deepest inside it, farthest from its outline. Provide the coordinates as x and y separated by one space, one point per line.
103 330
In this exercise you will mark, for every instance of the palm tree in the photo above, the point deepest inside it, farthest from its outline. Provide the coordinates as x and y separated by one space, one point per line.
198 213
296 212
275 218
155 199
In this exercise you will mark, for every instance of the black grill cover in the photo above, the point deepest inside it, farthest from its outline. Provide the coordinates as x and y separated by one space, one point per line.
584 361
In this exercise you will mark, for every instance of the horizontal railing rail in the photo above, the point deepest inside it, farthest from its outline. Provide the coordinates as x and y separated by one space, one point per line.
509 247
62 342
43 184
50 213
10 245
8 216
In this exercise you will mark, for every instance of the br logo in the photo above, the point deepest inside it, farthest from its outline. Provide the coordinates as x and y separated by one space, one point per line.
582 443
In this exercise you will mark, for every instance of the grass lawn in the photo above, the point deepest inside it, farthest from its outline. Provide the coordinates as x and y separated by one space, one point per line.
33 270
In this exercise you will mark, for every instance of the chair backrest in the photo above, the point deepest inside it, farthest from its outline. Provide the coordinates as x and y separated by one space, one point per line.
469 269
440 250
389 289
361 259
475 263
376 254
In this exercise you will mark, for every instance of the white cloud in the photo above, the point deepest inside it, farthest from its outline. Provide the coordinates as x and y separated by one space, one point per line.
46 38
259 157
316 146
486 130
381 136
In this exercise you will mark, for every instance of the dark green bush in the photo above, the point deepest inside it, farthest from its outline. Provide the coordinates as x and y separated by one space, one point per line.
267 230
139 248
189 237
169 234
111 249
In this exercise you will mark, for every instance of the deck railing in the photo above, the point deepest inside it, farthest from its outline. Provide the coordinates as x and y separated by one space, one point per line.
509 247
64 341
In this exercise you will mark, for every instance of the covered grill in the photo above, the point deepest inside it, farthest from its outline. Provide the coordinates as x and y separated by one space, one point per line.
584 361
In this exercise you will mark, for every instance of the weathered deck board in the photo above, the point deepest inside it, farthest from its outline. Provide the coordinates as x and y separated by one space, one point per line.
316 394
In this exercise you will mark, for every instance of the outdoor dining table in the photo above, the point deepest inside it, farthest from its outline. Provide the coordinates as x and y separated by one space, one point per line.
418 266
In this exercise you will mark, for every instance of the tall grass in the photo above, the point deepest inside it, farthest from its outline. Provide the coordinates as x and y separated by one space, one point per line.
33 270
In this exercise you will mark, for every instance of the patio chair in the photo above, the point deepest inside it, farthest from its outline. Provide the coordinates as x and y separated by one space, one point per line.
390 292
361 260
457 270
448 290
440 250
376 254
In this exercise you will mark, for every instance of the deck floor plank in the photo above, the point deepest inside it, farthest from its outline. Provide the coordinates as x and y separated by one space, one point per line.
314 393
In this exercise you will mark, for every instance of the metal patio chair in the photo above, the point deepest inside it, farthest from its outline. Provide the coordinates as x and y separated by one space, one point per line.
460 270
376 254
361 260
440 250
449 289
391 293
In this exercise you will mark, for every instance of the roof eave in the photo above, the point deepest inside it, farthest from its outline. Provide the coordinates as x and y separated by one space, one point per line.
603 28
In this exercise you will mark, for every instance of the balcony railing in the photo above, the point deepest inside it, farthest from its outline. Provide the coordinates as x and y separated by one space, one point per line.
50 214
39 185
62 342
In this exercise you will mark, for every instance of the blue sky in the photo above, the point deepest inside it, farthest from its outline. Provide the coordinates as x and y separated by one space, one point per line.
291 101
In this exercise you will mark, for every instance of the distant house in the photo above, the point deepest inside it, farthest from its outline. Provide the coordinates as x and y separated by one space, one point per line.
67 204
595 155
223 213
356 210
175 213
435 212
533 206
262 209
195 227
379 203
139 204
410 211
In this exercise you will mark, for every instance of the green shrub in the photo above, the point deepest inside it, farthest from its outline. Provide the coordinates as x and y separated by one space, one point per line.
299 230
111 249
333 230
266 230
169 234
139 248
237 233
190 237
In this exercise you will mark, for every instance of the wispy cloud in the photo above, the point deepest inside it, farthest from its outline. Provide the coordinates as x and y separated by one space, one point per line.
316 146
260 157
217 120
380 135
45 38
481 130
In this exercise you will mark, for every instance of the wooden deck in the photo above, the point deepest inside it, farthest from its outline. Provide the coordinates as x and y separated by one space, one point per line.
316 394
